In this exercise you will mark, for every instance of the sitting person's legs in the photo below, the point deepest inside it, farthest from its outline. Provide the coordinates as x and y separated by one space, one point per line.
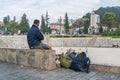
43 46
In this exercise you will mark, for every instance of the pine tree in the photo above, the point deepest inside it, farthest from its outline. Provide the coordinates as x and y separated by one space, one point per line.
14 18
48 29
66 24
47 19
6 19
43 26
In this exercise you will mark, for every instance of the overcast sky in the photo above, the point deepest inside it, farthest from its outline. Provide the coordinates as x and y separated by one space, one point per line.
56 8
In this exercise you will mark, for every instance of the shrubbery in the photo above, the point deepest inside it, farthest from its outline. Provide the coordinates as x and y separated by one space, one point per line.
111 33
70 36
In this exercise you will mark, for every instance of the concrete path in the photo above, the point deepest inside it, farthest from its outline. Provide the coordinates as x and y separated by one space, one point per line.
15 72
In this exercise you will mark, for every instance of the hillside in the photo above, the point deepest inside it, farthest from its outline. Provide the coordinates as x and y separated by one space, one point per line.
102 10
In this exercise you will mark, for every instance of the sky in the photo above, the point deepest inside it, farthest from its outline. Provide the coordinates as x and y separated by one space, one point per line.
56 8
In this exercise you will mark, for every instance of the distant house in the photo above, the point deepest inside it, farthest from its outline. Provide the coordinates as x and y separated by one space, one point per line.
1 25
105 27
76 30
57 28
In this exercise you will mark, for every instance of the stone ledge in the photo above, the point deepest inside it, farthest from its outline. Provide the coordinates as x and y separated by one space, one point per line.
105 68
30 58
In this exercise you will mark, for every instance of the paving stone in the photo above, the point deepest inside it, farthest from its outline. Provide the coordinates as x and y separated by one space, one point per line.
14 72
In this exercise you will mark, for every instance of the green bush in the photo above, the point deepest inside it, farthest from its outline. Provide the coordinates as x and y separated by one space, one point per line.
70 36
111 33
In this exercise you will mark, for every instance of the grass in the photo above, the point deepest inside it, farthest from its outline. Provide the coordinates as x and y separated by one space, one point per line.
71 36
115 36
111 36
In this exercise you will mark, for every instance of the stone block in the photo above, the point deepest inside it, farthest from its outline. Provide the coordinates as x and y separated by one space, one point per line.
22 58
115 70
3 54
42 59
105 68
49 60
11 55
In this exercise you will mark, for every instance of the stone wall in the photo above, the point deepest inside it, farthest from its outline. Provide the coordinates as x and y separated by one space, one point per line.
17 42
69 42
107 42
31 58
20 42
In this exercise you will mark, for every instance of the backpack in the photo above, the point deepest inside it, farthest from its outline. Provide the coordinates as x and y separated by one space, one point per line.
80 63
72 55
66 59
65 63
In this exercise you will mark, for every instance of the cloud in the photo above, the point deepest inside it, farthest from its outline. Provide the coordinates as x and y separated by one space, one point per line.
56 8
105 3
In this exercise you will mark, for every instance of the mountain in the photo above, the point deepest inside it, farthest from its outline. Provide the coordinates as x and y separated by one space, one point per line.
102 10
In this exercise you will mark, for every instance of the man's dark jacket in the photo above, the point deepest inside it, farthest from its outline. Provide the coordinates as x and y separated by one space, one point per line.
34 36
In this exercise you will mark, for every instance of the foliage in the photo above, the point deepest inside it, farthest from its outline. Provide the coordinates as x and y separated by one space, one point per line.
47 19
70 36
109 18
111 33
11 25
102 10
14 26
44 24
6 19
66 24
24 25
101 29
82 22
86 25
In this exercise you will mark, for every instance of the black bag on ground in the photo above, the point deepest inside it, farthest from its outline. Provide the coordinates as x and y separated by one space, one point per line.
72 55
80 63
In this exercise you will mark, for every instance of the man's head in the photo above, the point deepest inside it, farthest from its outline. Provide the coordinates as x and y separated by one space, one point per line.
36 22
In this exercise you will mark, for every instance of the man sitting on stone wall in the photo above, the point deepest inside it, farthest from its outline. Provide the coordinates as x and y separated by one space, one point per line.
34 37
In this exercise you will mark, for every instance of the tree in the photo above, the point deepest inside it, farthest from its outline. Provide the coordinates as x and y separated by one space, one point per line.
6 19
86 25
47 19
101 29
66 24
82 22
10 25
109 19
43 26
24 25
14 18
13 26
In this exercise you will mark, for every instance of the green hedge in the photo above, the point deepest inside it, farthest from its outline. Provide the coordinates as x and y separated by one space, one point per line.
115 36
70 36
111 33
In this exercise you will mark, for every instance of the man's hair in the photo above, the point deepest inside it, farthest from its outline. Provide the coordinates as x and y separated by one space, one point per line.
36 21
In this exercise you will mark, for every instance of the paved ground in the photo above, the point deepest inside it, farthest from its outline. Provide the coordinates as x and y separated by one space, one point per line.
13 72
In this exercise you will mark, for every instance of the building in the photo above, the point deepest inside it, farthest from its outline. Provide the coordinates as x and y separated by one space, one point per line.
57 28
1 25
94 23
